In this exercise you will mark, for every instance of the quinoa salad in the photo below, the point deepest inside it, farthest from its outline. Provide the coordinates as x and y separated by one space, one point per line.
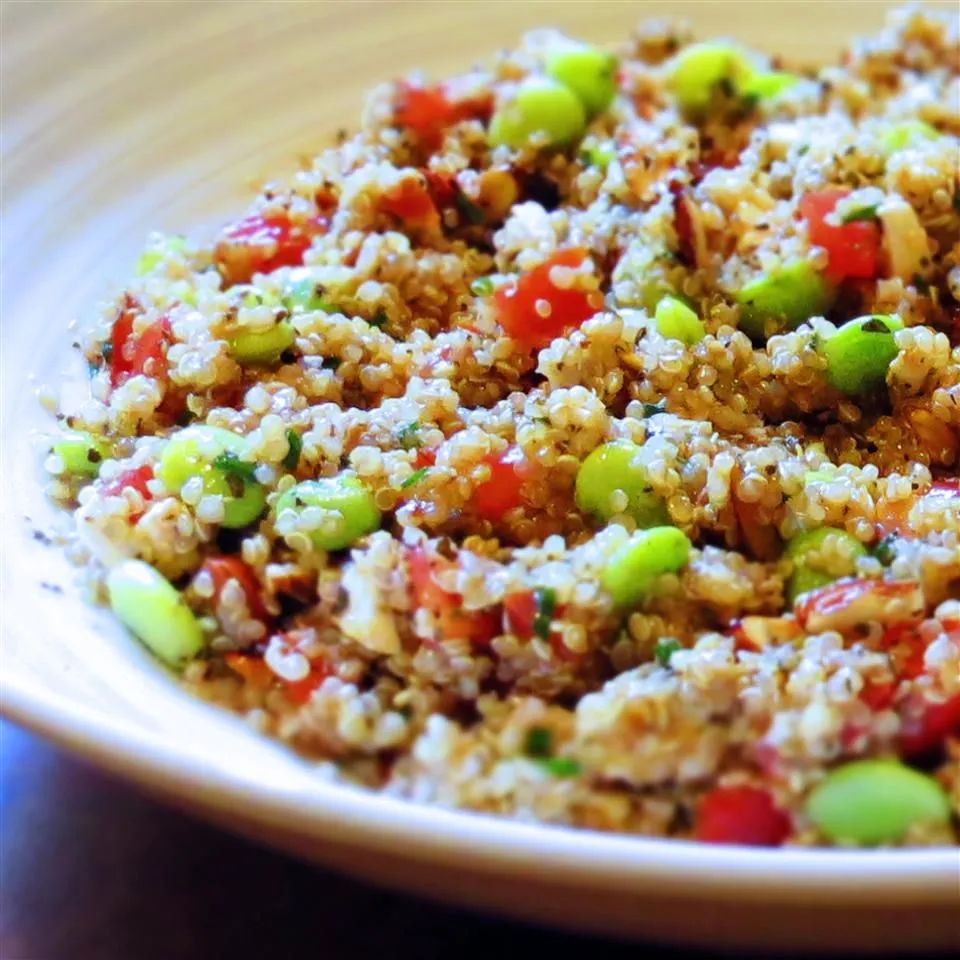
578 442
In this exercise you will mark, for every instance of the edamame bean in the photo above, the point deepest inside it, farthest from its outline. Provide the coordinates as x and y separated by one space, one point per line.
81 452
150 606
345 495
900 136
783 299
860 352
257 347
538 107
871 802
767 84
217 457
633 568
591 73
676 321
618 466
695 74
305 294
805 576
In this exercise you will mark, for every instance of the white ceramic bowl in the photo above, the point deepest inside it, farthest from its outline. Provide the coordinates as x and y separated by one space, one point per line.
123 118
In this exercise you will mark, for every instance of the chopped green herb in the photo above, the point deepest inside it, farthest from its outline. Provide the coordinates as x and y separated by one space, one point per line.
295 443
652 409
379 319
468 209
884 550
921 284
331 363
233 466
408 436
803 148
861 213
665 649
414 477
544 420
185 418
546 598
482 287
539 742
561 766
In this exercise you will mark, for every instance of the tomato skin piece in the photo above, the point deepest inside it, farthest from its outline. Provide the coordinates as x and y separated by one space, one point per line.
878 696
477 626
516 303
411 203
743 815
261 244
223 569
428 111
853 248
925 725
502 492
521 612
137 478
133 355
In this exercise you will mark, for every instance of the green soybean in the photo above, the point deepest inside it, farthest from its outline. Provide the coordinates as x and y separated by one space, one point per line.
900 136
305 294
860 352
633 568
155 611
82 453
614 466
676 321
767 84
872 802
806 577
263 347
697 72
783 299
591 73
196 451
539 106
345 494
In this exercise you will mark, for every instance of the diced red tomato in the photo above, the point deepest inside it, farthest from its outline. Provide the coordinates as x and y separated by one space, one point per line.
411 203
906 648
853 248
224 569
925 724
132 355
443 188
534 311
261 244
137 478
878 695
477 626
521 612
949 488
428 111
502 492
254 669
426 457
300 691
745 815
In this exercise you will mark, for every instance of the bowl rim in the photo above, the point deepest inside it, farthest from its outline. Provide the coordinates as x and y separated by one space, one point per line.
484 842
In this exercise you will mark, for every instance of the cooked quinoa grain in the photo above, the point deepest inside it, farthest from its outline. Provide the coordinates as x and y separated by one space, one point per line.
577 442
